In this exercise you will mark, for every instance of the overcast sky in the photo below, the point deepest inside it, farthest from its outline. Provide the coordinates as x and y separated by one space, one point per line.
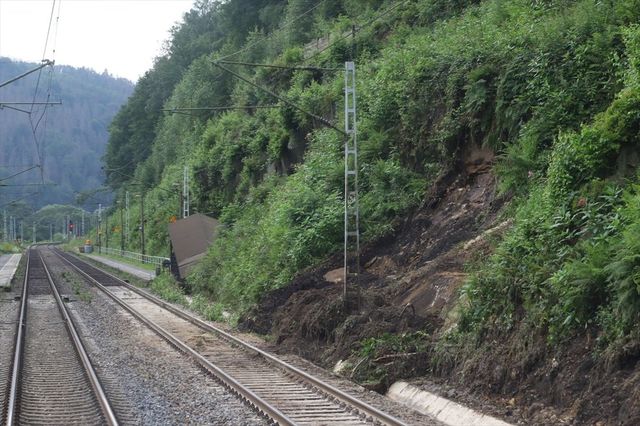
121 36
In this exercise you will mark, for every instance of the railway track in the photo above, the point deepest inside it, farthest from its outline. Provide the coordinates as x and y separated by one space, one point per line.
282 392
52 380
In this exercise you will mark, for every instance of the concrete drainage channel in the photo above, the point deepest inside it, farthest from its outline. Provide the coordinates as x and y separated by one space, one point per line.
442 409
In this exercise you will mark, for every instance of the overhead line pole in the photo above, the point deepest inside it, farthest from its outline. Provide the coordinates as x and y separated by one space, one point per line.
351 197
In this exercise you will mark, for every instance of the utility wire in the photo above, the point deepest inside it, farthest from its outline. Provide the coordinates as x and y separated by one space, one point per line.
284 67
27 184
280 98
34 127
15 166
20 199
219 108
286 24
19 173
45 62
352 33
359 28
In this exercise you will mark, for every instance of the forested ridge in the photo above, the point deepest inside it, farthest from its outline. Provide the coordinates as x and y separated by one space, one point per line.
551 88
69 138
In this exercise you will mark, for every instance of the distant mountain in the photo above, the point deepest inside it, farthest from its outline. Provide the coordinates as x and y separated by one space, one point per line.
67 141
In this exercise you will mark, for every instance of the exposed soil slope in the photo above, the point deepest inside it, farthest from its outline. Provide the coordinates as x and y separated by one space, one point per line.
410 281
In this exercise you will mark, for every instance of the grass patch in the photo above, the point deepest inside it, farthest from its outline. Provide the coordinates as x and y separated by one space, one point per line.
77 285
166 287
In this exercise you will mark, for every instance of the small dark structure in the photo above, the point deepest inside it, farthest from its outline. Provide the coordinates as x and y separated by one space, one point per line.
190 239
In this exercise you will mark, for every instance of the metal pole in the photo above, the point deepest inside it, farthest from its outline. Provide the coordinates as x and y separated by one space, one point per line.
4 229
50 232
126 206
185 192
351 202
83 222
99 228
121 231
142 223
34 232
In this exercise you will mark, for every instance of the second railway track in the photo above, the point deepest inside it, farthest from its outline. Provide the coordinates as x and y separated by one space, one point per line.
281 391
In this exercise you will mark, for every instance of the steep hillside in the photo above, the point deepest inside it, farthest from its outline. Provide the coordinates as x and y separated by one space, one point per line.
499 153
69 140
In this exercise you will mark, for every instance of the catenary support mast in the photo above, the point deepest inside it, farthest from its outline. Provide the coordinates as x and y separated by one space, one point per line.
351 202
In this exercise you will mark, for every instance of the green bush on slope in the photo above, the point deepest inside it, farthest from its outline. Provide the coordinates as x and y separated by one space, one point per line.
571 260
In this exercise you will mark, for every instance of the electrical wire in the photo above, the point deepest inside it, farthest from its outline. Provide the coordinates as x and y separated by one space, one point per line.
34 127
284 67
359 28
285 25
20 199
19 173
280 98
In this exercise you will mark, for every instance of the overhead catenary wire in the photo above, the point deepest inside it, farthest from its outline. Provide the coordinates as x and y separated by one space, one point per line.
285 25
355 29
358 28
222 60
219 108
20 199
284 67
281 98
44 63
28 184
34 126
19 173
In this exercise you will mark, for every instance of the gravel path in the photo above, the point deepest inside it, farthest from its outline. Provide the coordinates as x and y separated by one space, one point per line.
157 384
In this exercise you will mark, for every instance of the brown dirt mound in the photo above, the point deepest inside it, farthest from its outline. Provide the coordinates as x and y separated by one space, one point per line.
396 291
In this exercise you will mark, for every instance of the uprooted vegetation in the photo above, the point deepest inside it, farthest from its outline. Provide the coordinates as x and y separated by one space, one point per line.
499 189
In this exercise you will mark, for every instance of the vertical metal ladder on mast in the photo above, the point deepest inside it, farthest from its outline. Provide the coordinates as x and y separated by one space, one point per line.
351 202
185 192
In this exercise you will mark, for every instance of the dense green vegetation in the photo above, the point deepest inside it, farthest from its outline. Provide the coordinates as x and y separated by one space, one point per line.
69 139
571 260
551 86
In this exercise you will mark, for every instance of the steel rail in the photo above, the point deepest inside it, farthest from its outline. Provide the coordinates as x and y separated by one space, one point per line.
236 387
98 390
17 357
325 387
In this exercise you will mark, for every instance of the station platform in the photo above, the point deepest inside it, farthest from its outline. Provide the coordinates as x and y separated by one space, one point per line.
8 267
141 273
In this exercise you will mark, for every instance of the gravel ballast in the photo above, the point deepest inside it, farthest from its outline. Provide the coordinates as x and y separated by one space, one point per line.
152 382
